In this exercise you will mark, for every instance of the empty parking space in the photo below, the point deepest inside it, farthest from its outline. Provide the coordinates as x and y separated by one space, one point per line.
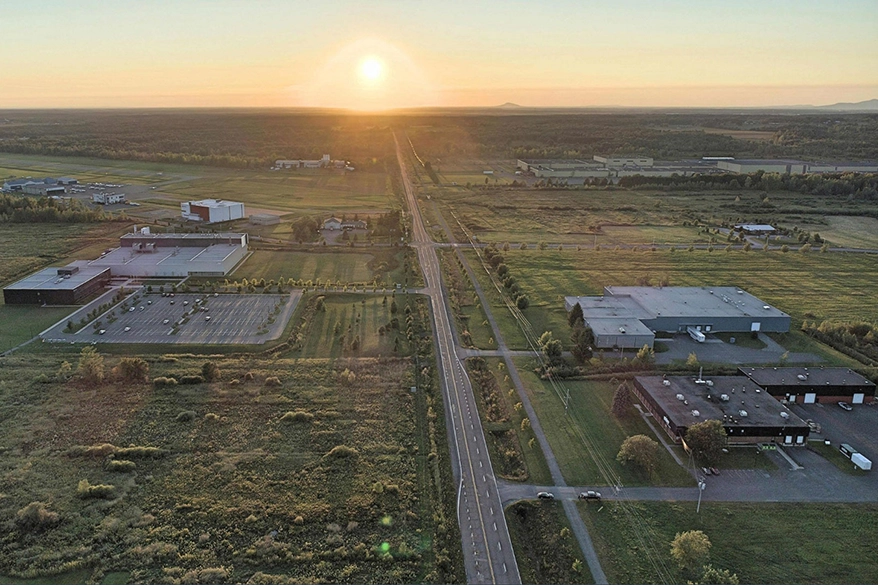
193 319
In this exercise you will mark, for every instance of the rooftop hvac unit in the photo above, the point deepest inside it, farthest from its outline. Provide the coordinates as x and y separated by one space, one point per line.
695 413
742 413
666 382
724 397
766 307
785 415
802 377
621 330
680 397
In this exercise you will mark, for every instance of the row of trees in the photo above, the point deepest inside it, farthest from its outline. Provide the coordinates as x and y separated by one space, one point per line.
498 264
24 209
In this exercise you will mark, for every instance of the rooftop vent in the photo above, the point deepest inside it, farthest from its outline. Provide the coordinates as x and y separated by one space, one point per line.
666 382
621 330
802 377
696 413
785 415
742 413
758 391
724 397
680 397
766 307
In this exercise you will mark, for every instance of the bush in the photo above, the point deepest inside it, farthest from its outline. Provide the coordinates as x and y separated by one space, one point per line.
121 465
35 517
135 452
133 369
248 376
162 382
297 416
85 490
210 372
185 416
341 451
273 381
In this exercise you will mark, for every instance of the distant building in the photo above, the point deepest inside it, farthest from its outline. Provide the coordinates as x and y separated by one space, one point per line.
31 186
264 219
212 210
794 167
44 189
624 161
748 414
758 229
333 223
307 164
629 316
108 198
813 385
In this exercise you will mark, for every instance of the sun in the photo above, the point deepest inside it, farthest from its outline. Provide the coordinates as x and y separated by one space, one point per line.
371 69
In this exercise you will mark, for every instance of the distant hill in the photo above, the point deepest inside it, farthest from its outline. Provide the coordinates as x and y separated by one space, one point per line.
870 105
508 106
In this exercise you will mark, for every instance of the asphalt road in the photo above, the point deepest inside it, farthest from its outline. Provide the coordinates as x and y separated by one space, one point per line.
487 547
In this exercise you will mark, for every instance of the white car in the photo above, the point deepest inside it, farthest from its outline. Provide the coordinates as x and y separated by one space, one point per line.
207 318
166 321
127 329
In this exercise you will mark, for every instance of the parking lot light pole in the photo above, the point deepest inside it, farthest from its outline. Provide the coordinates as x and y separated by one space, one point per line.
701 486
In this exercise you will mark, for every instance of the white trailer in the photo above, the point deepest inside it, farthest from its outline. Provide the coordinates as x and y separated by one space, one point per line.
861 461
696 334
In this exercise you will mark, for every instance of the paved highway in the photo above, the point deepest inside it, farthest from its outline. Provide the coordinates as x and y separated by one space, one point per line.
487 548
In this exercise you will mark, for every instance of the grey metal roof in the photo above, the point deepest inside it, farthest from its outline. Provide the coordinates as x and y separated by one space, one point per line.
819 376
48 278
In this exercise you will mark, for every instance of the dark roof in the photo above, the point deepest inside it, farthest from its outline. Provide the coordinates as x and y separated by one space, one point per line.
812 376
762 409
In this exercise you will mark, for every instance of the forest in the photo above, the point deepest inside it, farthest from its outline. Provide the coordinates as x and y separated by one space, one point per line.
18 209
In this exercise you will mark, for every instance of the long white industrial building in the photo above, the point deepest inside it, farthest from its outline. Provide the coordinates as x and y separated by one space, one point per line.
212 210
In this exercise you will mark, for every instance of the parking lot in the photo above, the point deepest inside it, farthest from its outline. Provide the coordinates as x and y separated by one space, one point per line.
191 319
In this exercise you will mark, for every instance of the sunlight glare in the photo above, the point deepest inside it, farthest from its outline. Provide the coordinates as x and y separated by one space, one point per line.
371 68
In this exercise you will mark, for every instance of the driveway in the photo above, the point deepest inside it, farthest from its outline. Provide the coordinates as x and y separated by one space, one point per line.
717 351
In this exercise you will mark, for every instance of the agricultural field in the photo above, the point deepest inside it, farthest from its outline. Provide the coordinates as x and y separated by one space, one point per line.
761 543
585 441
283 470
23 322
345 267
812 286
88 170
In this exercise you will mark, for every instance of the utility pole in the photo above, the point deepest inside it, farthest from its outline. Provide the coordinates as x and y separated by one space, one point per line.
567 401
701 486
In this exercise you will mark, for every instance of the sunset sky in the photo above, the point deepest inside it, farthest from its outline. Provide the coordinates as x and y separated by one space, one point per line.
404 53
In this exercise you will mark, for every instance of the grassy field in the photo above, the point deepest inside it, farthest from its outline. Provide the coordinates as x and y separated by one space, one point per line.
22 322
811 286
761 543
585 441
340 490
472 323
545 549
856 232
91 169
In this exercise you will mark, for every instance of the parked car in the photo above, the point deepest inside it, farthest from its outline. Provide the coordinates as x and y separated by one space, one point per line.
172 302
706 470
845 406
166 321
207 318
714 470
127 329
546 496
590 495
102 331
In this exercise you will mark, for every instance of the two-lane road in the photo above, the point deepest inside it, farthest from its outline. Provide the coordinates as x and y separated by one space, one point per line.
487 547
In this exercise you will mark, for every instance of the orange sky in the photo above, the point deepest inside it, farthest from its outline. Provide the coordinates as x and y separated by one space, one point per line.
554 53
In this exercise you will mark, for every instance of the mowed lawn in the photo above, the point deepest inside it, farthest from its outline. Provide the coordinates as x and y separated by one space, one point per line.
335 267
307 192
761 543
587 438
813 286
22 322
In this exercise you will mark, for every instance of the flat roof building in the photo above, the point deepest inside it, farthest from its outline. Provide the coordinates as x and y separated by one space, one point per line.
212 210
784 167
66 285
810 385
748 414
624 161
673 310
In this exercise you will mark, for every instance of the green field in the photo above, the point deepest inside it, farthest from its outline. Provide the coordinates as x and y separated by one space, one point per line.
22 322
811 286
849 231
342 490
587 438
761 543
89 169
335 267
347 317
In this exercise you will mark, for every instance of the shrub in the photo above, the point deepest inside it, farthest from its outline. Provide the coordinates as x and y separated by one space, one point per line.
35 517
133 369
162 382
341 451
273 381
135 452
86 490
248 376
212 417
297 416
210 372
185 416
101 450
121 465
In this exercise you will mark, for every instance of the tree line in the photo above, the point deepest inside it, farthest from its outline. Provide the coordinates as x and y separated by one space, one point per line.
21 209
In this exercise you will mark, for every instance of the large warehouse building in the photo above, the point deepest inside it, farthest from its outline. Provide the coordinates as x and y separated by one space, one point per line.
68 285
748 414
212 210
811 385
629 316
140 255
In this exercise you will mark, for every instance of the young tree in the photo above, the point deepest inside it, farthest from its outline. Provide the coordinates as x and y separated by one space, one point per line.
622 400
645 355
690 549
551 347
707 440
575 316
692 360
583 340
133 369
91 366
522 302
640 450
